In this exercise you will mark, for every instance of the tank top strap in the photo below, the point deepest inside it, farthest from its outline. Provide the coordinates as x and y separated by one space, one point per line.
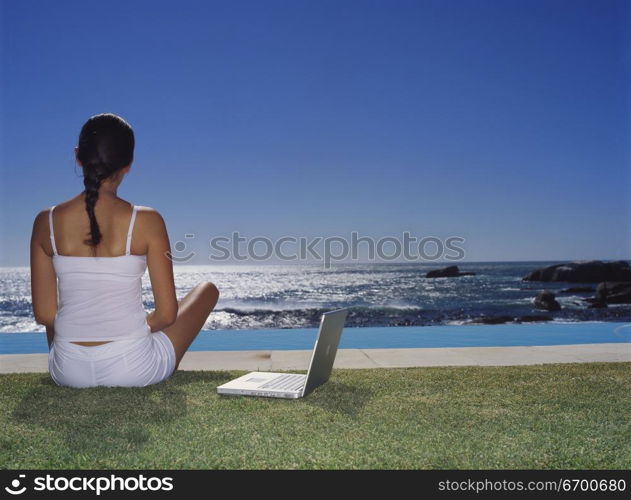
131 230
52 233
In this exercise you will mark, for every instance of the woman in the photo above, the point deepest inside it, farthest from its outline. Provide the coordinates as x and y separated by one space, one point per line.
98 332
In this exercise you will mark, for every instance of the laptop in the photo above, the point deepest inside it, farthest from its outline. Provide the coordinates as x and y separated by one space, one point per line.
294 385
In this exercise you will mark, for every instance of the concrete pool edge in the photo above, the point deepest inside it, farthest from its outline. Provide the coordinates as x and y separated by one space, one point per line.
269 360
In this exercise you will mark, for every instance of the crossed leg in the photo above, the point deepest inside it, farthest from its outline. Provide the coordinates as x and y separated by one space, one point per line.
193 310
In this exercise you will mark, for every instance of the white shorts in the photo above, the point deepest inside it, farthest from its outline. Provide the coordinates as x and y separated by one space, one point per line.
129 363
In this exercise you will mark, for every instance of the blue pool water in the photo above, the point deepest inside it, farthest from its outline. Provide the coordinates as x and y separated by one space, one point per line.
380 337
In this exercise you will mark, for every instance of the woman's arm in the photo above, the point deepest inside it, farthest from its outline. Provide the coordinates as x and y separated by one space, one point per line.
160 271
43 277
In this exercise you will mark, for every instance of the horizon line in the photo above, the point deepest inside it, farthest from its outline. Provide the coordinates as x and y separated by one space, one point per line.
351 262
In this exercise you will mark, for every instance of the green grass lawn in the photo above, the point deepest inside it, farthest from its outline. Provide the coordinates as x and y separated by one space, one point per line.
543 416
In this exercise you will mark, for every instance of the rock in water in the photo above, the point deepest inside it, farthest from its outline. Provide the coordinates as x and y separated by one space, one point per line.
447 272
546 300
578 289
529 318
613 293
583 272
490 320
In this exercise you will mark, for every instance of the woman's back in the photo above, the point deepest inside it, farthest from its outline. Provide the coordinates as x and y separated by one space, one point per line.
71 225
100 297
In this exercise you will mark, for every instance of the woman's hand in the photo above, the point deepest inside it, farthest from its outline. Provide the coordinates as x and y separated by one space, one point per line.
50 335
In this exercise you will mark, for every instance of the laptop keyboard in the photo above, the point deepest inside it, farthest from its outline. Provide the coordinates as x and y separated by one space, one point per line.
289 382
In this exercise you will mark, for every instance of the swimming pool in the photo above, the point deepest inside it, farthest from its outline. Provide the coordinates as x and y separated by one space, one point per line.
380 337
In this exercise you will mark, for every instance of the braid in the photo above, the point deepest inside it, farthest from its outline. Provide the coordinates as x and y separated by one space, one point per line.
106 145
92 179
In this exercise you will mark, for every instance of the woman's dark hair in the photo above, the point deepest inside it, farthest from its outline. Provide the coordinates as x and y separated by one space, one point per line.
106 145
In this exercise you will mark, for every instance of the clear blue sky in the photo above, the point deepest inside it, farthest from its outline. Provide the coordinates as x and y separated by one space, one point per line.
504 122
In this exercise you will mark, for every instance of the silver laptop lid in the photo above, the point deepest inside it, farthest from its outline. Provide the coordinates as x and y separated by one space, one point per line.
325 349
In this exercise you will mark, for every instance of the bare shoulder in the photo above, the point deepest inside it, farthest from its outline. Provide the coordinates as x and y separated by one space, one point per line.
152 220
41 220
40 232
42 215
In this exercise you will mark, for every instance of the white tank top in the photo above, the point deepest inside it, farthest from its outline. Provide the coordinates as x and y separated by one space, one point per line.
100 298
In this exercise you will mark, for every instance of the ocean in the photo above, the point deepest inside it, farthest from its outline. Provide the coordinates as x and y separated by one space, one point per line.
378 294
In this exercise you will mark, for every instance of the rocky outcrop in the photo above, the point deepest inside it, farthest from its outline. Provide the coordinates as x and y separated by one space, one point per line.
501 319
546 300
531 318
597 304
592 271
491 320
578 289
447 272
614 292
